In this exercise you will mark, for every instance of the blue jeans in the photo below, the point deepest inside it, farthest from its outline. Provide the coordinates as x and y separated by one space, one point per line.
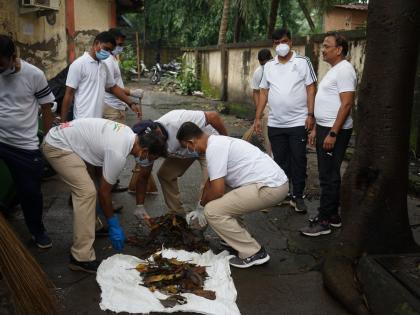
26 168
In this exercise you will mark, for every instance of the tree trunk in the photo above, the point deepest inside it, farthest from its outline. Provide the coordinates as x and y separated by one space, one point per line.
307 15
224 23
273 17
374 191
239 22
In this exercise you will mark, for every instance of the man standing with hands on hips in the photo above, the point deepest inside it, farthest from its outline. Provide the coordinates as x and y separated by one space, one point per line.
289 85
333 104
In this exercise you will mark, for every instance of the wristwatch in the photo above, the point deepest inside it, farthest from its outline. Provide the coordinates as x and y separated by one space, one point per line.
311 115
333 134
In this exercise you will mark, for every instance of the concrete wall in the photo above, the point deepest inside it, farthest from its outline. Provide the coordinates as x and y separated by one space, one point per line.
38 42
45 45
242 62
211 73
91 18
344 19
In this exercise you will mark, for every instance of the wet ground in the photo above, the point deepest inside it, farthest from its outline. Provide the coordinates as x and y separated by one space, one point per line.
289 284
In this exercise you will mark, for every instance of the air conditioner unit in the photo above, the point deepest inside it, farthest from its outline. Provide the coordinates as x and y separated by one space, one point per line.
35 5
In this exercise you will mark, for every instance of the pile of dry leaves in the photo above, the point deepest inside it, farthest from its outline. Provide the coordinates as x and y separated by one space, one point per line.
170 231
171 276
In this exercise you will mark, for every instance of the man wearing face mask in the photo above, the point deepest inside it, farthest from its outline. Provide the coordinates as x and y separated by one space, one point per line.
288 84
87 79
179 159
101 143
114 108
23 89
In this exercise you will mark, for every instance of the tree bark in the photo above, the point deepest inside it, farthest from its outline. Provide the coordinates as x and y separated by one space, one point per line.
224 23
307 14
374 191
273 17
239 22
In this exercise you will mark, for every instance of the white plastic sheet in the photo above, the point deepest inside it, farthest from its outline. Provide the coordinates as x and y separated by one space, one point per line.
122 290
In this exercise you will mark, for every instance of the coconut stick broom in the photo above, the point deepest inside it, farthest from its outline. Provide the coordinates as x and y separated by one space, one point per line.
30 288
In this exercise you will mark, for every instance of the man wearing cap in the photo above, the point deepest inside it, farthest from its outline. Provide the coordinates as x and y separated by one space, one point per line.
102 143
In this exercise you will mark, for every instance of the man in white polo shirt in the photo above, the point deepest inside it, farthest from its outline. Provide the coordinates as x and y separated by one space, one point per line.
23 92
87 79
289 85
179 159
264 55
102 143
333 103
257 183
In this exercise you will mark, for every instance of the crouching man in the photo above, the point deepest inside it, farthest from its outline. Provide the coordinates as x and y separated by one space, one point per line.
102 143
257 182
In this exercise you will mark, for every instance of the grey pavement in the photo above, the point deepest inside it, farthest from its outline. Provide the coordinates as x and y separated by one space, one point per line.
290 283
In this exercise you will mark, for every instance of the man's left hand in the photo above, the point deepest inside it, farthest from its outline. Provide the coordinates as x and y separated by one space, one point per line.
309 123
137 109
329 143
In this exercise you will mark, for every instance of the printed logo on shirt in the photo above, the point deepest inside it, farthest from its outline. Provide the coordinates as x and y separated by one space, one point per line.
117 126
65 125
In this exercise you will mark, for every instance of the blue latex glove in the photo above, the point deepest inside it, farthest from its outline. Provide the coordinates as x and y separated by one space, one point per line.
116 234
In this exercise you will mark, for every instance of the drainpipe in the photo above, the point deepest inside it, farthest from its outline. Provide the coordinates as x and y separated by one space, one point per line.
71 30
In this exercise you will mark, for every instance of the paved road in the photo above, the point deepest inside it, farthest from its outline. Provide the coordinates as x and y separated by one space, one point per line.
289 284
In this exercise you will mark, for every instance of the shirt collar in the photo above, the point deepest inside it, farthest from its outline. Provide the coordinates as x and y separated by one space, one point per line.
89 57
276 58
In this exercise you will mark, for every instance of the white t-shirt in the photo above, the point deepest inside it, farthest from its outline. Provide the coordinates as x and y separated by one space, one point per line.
98 141
173 120
20 95
287 95
257 78
115 72
241 163
340 78
89 78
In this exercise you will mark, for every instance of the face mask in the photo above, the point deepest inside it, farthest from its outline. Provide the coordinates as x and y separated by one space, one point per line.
118 50
102 54
8 71
282 49
143 162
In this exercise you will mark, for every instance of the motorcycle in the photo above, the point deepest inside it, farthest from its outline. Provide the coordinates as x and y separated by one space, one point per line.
155 73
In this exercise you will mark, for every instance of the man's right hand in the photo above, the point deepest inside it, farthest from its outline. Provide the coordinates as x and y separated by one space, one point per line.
312 137
257 126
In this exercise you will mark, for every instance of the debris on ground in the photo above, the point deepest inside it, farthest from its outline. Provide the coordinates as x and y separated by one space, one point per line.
169 231
171 276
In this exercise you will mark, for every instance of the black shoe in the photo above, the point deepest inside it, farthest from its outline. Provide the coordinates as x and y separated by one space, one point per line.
299 204
116 188
334 221
257 259
42 240
316 228
86 266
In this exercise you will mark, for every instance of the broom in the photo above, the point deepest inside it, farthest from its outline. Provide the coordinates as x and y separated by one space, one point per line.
31 290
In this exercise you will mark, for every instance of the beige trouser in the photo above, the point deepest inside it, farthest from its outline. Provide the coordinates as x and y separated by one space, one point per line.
223 214
114 114
168 174
248 134
73 171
